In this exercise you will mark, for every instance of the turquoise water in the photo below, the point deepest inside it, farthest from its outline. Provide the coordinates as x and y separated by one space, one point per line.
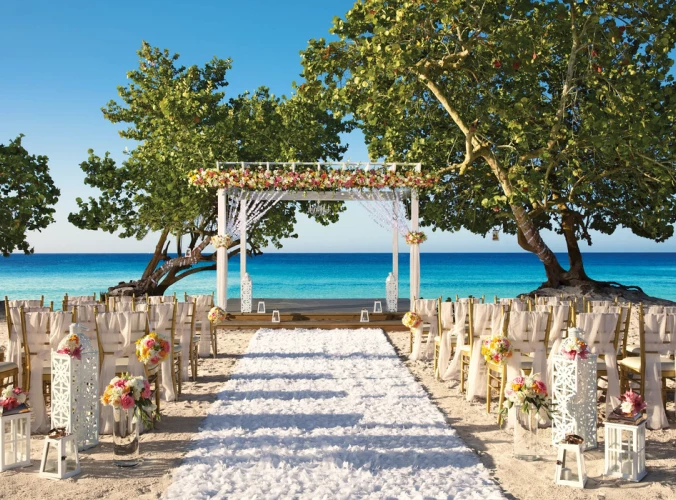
285 275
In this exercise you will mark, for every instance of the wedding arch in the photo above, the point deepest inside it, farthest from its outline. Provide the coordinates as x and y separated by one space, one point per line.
246 191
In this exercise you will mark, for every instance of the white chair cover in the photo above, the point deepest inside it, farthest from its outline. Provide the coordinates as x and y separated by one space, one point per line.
59 327
86 316
37 337
24 303
427 309
461 310
15 350
185 330
81 299
526 332
446 342
518 305
203 304
599 331
161 319
486 320
657 343
557 332
662 310
161 299
124 306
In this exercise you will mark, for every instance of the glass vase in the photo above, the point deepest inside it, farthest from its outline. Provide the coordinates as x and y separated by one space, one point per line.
126 437
526 445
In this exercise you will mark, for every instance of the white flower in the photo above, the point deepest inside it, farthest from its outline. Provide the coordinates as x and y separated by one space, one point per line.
8 391
627 407
21 398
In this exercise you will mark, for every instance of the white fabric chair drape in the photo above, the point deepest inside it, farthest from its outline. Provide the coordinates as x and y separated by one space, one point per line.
527 332
203 304
185 330
461 310
162 321
161 299
446 341
487 320
86 316
518 305
656 344
15 348
36 328
600 329
59 327
427 309
557 332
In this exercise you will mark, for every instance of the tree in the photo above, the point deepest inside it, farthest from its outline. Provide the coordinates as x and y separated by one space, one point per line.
541 114
27 196
179 120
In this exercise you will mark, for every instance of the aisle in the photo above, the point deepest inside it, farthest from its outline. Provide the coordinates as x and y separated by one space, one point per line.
327 414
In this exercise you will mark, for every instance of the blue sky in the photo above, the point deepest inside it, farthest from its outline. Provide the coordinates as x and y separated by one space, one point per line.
60 62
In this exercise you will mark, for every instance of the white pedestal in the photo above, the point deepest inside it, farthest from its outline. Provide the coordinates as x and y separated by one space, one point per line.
392 288
246 300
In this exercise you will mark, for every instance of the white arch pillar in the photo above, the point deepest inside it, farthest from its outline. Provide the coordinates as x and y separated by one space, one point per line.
222 253
414 262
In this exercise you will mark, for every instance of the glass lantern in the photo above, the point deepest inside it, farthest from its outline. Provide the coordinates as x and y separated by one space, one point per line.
15 439
364 318
275 316
60 459
377 307
261 307
570 467
625 450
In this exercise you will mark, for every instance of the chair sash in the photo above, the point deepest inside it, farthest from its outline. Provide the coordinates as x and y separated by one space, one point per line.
445 347
560 315
86 316
203 304
458 331
37 338
486 320
600 331
518 305
656 344
161 321
112 342
427 309
24 303
124 306
59 327
185 330
161 299
526 332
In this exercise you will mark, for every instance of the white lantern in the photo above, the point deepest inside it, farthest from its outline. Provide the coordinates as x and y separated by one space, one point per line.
275 316
60 459
246 299
625 450
377 307
574 397
15 439
392 293
364 318
570 468
75 392
261 307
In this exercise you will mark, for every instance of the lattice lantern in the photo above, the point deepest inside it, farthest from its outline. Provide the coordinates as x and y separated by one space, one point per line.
75 388
392 290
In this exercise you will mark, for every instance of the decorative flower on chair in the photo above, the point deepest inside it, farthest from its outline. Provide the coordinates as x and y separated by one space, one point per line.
496 349
411 319
216 315
415 237
221 241
152 349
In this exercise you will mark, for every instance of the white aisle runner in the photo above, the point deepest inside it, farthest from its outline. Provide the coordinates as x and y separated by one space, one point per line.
327 414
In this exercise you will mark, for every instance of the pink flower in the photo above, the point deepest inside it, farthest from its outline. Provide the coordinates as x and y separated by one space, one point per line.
540 387
146 390
154 360
149 343
569 355
121 383
518 381
127 401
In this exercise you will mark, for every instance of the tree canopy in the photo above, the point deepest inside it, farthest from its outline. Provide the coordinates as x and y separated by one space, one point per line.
27 196
179 120
540 114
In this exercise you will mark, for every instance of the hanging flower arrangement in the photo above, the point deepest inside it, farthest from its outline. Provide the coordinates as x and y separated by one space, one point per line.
216 315
415 237
262 179
152 349
70 345
411 319
221 241
496 349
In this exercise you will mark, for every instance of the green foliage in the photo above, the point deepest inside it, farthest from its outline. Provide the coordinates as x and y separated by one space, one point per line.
179 120
27 195
562 109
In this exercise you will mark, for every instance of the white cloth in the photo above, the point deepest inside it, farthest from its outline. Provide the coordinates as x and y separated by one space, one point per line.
446 339
557 332
526 332
461 310
37 338
203 304
656 343
427 309
86 316
486 321
112 346
600 331
15 350
162 299
185 330
415 270
162 321
59 327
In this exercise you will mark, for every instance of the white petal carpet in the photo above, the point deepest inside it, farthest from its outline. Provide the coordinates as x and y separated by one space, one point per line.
313 414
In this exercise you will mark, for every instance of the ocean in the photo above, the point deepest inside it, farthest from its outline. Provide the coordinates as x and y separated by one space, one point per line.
287 275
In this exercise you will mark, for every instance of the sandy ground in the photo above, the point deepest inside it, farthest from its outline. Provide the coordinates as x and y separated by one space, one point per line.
161 449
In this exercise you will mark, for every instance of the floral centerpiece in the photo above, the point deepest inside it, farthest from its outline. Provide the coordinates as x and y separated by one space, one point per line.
152 349
496 349
11 397
70 345
528 393
411 319
573 346
216 315
415 237
632 404
221 241
127 392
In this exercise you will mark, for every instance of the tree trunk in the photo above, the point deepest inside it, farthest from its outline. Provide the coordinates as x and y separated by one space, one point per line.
576 273
160 253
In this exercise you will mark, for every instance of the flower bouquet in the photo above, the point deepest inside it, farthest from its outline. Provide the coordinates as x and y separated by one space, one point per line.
221 241
631 407
411 319
152 349
527 394
574 346
129 392
12 397
496 349
216 315
415 237
70 345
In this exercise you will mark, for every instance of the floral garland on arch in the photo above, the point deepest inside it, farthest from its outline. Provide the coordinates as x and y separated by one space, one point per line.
415 237
221 241
262 179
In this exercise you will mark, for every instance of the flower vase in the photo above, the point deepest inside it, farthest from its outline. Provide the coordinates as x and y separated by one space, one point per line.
526 445
126 437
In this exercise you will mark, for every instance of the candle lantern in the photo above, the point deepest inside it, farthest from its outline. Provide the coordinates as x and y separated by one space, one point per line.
15 438
625 449
275 316
377 307
60 459
364 318
261 307
246 295
75 389
570 468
